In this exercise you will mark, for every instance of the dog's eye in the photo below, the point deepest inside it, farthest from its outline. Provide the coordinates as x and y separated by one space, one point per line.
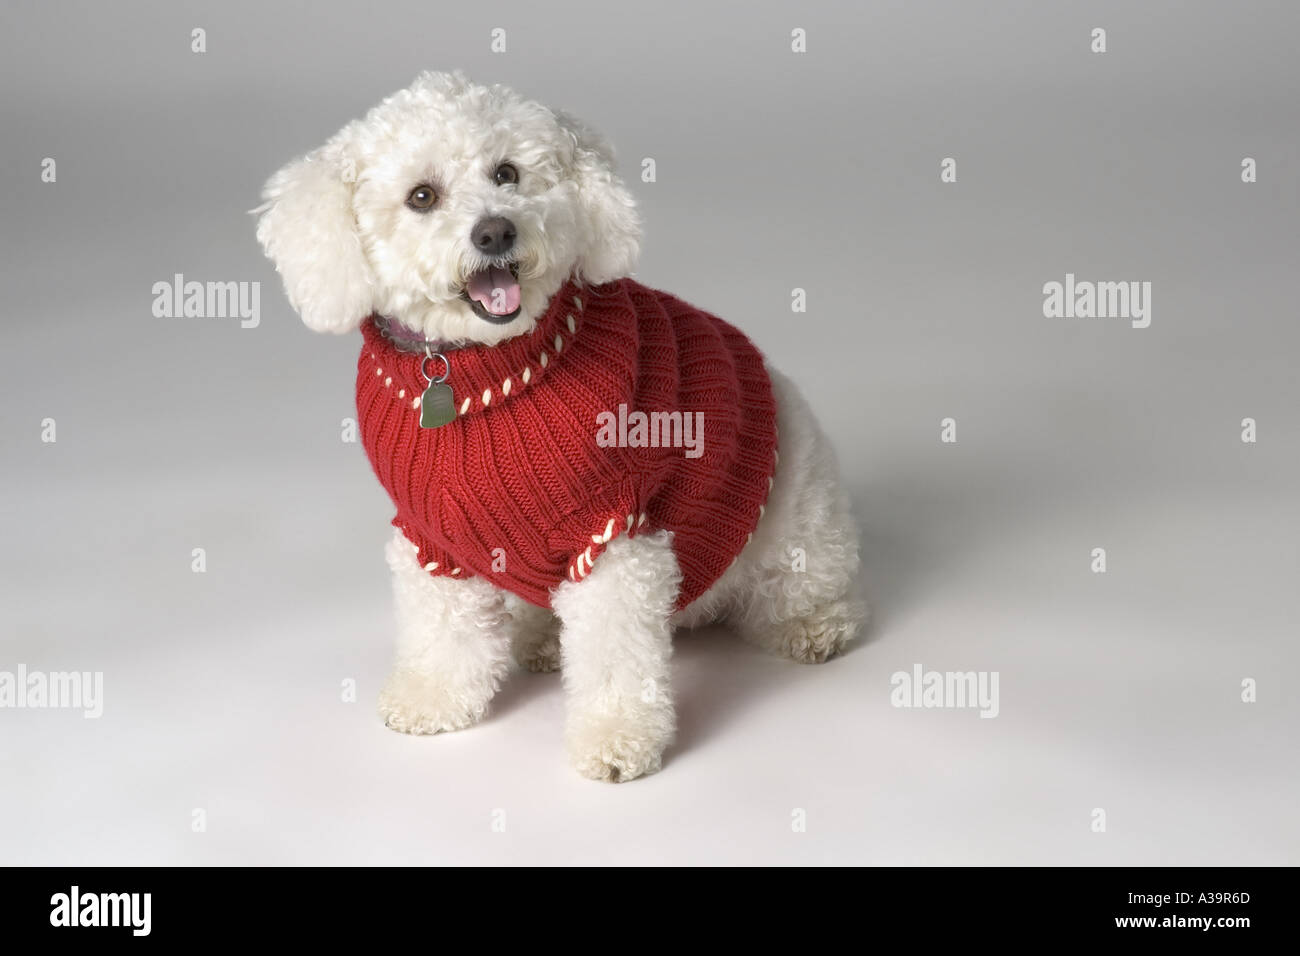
422 198
506 175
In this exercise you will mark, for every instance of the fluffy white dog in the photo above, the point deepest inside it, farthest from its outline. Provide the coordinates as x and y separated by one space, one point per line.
459 226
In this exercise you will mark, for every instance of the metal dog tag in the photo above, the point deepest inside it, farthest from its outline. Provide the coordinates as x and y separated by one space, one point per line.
438 406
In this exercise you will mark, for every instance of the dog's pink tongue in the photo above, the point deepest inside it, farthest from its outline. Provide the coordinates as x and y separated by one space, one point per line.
495 289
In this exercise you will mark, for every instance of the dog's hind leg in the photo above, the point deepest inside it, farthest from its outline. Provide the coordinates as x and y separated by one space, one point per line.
534 635
453 647
795 589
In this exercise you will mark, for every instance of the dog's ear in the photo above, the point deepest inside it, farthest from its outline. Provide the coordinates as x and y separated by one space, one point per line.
613 226
309 230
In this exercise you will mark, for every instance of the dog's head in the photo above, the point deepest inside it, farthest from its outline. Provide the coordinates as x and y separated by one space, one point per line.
457 209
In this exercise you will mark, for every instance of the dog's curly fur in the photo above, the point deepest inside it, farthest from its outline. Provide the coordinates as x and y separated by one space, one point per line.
337 227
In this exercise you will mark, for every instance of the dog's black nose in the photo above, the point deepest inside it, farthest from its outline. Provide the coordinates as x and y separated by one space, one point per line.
493 236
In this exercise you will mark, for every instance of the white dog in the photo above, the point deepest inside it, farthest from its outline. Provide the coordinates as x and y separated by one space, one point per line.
484 245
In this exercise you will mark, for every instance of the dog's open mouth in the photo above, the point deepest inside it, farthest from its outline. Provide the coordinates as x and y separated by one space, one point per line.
493 293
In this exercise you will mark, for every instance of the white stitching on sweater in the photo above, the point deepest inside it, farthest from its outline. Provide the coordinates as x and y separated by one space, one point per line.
508 385
576 567
604 537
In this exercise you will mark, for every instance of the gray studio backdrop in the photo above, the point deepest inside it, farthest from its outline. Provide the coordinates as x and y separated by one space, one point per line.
1160 692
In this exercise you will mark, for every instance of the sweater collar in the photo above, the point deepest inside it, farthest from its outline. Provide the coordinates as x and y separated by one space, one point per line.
482 375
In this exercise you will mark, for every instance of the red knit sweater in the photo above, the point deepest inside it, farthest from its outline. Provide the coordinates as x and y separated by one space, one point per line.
524 488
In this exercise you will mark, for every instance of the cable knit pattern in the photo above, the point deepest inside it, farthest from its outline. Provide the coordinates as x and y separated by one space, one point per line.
517 490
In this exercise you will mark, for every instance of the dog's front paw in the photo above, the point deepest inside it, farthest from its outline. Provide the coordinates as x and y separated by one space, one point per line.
618 749
415 703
